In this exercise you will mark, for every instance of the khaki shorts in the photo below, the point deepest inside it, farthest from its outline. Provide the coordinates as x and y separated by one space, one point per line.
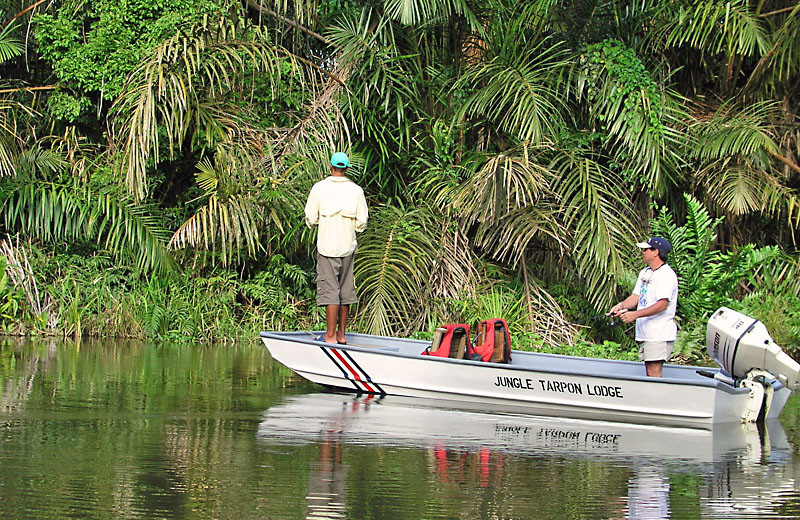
655 350
335 284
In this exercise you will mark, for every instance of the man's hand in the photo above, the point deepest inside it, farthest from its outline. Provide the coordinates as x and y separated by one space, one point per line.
624 306
623 314
617 310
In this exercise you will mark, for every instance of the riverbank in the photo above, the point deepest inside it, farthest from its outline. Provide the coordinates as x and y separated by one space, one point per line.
68 295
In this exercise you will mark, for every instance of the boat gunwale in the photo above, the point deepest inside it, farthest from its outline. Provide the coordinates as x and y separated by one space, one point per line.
705 382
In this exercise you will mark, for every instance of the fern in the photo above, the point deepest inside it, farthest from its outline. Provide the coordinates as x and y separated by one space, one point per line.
154 319
692 250
707 277
279 283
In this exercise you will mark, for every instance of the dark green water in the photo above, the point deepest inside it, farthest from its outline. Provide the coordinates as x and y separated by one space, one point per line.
131 430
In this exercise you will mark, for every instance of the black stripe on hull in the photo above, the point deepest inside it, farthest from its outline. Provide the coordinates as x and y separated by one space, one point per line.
366 376
344 371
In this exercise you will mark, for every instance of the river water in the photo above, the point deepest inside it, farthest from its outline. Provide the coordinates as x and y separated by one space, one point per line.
109 429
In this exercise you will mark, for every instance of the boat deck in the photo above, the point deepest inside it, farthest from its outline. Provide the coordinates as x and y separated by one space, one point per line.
552 363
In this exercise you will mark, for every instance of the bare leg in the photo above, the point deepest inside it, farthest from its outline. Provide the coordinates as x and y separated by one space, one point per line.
653 368
331 317
340 337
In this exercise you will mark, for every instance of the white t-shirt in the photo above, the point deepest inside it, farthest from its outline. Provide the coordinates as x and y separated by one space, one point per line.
338 205
651 287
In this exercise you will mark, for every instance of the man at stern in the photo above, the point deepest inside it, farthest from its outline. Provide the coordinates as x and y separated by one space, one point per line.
654 298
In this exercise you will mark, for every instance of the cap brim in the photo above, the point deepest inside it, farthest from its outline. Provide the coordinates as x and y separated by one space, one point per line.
643 245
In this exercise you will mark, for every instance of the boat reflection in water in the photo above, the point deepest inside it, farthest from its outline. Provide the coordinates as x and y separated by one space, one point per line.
745 468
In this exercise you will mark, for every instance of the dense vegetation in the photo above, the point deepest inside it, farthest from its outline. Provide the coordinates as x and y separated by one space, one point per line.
155 158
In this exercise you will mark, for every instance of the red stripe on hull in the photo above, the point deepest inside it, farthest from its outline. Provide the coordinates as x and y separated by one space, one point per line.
352 371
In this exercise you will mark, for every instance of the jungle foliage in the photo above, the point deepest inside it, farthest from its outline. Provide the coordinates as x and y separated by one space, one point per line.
155 158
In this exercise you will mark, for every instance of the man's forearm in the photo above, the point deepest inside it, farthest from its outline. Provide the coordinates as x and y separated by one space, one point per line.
659 306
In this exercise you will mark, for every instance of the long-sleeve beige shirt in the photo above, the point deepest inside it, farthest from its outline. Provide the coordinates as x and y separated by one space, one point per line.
338 206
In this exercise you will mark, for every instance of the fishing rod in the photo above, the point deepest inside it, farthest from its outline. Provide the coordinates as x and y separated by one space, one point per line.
610 315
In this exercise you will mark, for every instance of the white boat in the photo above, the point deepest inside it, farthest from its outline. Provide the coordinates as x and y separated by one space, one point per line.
754 381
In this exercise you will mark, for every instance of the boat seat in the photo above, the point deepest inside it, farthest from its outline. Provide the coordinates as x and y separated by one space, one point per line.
496 341
450 341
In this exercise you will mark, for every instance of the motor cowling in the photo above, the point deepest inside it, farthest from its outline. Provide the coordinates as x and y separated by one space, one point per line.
740 344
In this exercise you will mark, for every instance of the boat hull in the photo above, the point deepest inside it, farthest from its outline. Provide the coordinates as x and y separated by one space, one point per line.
532 383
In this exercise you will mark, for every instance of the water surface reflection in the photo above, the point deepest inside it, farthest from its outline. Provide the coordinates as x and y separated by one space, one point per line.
616 470
113 429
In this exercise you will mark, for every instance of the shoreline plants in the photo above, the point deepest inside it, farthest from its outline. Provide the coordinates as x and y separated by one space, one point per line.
155 159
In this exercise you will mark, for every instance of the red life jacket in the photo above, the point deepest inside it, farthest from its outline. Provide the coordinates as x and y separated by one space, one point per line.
450 341
496 341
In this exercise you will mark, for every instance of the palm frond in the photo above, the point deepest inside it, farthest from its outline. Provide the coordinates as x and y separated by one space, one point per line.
632 109
324 126
510 236
392 267
716 26
502 199
418 12
738 188
69 151
377 74
52 211
301 11
506 182
453 272
39 162
731 130
10 45
518 91
130 228
46 210
781 62
244 201
781 201
599 217
735 147
779 275
228 224
9 138
174 88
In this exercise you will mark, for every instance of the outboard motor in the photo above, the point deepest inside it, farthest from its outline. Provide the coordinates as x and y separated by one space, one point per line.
744 350
740 344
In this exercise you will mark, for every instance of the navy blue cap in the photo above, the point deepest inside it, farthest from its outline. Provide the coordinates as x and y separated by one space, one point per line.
660 243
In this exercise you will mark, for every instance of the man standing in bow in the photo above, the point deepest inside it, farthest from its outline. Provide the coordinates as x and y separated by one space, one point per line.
338 206
655 298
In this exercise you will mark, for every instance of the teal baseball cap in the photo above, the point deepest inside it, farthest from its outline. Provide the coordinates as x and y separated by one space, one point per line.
340 160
